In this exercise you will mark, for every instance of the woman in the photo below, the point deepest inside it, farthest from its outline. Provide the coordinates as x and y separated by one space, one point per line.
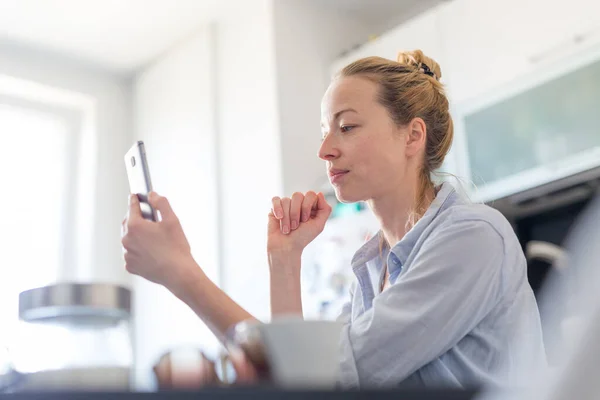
441 296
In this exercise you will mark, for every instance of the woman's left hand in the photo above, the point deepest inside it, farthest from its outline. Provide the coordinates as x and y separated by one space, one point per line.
156 251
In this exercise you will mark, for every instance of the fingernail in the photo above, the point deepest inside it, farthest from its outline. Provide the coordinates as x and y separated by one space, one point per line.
286 229
278 214
304 217
294 225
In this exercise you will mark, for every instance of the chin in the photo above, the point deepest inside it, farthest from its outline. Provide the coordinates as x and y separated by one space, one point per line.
347 196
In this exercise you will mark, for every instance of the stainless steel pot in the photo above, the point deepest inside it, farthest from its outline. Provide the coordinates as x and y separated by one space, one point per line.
74 336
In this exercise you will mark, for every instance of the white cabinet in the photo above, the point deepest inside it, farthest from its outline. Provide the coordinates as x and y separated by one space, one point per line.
535 130
488 43
496 49
420 32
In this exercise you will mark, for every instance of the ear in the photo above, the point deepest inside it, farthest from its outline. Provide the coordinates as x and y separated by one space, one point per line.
416 136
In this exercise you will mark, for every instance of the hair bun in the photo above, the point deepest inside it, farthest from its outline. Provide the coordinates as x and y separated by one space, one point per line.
417 59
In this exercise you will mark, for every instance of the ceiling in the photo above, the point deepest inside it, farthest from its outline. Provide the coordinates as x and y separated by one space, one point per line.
123 35
120 35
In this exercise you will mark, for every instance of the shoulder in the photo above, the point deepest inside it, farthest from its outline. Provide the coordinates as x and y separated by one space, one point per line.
478 213
475 223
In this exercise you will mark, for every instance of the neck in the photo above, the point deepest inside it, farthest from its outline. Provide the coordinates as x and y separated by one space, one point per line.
395 209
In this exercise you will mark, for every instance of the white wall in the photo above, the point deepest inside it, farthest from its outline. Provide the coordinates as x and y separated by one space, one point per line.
173 103
308 39
112 136
250 173
207 111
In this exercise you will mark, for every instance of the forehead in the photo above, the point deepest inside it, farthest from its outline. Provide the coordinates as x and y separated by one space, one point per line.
348 92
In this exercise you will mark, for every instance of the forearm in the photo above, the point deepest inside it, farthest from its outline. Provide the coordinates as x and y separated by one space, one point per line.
218 311
285 290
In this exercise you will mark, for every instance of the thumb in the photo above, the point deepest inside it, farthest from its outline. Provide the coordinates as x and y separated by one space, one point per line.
274 224
323 208
161 204
134 207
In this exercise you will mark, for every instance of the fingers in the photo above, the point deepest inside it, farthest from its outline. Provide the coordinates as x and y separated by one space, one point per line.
124 227
274 225
291 212
323 208
310 201
162 205
277 208
295 210
135 211
322 203
133 219
246 373
286 202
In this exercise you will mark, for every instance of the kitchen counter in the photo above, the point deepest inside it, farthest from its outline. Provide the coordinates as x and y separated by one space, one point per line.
245 393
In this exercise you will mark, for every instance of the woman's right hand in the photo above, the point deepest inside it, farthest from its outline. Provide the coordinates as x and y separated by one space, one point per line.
295 221
157 251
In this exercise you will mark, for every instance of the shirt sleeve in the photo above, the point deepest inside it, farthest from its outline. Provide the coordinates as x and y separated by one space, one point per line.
450 286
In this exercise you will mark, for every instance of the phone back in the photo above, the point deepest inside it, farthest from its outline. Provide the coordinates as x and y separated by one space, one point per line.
138 174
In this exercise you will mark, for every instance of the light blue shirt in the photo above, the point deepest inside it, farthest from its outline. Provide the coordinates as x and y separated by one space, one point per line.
459 311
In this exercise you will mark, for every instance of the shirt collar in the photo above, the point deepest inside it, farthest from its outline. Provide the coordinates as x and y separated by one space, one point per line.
402 249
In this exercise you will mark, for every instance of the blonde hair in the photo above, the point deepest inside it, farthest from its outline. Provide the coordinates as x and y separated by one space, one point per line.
410 88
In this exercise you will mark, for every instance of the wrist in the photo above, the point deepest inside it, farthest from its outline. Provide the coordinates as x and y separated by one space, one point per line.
284 258
285 282
284 271
186 273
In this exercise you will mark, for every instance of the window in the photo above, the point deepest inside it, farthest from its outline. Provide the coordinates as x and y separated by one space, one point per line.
34 177
45 153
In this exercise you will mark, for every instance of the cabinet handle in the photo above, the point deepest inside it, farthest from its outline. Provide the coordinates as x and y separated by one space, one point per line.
577 39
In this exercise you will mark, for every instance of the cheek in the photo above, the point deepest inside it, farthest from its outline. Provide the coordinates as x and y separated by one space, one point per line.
377 155
363 154
385 163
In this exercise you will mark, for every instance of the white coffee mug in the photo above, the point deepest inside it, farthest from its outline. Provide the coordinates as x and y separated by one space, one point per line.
297 353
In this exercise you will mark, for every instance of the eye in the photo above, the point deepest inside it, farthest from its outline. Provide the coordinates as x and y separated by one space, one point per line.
347 128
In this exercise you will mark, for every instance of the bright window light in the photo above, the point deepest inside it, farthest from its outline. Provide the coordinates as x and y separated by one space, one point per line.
33 186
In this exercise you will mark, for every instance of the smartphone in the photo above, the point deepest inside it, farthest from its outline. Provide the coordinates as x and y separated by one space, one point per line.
138 174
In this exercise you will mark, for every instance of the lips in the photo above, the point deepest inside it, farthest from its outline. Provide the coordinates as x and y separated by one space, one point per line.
336 174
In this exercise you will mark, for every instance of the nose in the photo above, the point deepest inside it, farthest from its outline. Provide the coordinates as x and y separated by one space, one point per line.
328 150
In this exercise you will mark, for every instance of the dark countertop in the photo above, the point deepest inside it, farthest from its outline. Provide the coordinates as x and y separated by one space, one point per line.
259 393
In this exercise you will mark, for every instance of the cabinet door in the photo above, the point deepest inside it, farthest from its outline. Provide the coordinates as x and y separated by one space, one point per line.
481 45
554 30
490 43
421 32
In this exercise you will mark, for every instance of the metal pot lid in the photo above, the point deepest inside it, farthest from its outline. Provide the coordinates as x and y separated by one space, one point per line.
75 300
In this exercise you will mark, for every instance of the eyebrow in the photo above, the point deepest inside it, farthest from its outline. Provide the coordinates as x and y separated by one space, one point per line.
339 113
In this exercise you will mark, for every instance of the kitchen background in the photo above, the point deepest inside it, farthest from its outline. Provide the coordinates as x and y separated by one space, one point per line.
226 96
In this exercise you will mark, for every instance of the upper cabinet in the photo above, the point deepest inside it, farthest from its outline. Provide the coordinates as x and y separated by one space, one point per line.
488 43
420 32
